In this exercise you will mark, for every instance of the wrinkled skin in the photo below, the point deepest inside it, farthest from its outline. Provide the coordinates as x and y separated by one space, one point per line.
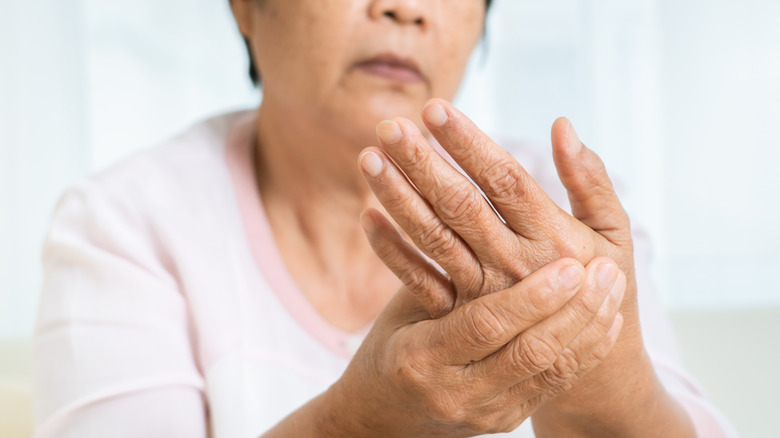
447 218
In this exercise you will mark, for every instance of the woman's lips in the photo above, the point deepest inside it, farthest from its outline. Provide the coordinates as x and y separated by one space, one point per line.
392 67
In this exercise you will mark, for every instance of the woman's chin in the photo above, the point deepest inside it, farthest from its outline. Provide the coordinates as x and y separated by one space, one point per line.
390 104
354 117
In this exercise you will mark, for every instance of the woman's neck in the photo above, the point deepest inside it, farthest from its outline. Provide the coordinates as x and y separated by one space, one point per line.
309 170
313 194
299 157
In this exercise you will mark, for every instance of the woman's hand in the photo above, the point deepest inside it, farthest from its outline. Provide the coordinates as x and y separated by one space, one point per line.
447 218
452 223
486 366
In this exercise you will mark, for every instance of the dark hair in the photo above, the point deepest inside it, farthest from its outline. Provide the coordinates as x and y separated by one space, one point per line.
254 75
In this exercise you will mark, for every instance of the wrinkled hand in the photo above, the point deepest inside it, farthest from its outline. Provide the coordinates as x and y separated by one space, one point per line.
449 220
447 217
486 366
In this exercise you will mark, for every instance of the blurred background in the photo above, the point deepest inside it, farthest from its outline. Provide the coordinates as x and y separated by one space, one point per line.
680 97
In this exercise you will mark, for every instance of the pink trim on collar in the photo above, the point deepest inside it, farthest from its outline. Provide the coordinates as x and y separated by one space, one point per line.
239 159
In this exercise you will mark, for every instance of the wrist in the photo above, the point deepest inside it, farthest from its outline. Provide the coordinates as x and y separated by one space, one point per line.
328 415
340 414
617 401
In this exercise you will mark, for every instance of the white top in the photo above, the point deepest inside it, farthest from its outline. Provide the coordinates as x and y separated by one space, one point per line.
167 310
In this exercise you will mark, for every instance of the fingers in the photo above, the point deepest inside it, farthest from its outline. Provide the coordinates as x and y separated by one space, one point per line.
551 352
452 196
479 328
592 197
431 287
415 216
511 190
534 392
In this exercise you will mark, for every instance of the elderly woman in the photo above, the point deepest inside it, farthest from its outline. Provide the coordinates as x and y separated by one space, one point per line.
219 285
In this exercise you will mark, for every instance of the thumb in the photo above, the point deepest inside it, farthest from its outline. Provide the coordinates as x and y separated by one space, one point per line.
591 194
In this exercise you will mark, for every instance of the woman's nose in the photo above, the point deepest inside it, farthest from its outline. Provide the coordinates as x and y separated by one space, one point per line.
400 11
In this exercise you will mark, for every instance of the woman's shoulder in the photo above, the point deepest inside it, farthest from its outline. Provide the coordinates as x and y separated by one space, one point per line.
181 181
197 152
172 169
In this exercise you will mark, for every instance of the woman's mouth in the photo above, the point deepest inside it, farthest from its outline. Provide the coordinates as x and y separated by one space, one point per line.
392 67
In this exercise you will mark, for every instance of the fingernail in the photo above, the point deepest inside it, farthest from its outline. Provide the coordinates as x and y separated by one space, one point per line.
570 277
388 132
607 274
371 163
434 114
618 289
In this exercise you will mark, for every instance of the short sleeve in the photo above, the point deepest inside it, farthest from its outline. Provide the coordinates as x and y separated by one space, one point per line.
114 348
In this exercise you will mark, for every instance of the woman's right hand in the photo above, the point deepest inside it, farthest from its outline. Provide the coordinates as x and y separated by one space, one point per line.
486 366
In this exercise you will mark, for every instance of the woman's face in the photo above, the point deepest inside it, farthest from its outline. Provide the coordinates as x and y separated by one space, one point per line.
350 63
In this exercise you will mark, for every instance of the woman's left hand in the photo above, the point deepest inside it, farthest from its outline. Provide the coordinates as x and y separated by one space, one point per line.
452 223
448 218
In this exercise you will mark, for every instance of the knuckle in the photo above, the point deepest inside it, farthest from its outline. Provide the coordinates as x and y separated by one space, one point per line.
506 427
473 285
505 273
595 358
587 305
503 181
409 368
446 409
556 386
483 424
496 415
512 425
459 202
398 200
437 240
507 422
596 163
415 278
576 247
563 370
484 325
597 355
603 320
541 303
414 378
521 414
543 299
509 418
536 353
418 157
601 186
537 253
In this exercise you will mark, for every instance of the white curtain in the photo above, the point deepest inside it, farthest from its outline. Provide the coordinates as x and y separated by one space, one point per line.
680 97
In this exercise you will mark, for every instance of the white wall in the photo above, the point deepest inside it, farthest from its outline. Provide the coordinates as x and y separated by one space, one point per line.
722 111
679 97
